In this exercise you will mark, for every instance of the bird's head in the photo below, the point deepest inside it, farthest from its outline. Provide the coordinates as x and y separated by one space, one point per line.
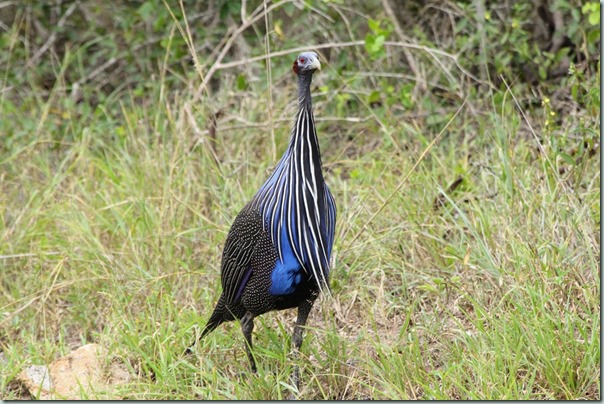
307 62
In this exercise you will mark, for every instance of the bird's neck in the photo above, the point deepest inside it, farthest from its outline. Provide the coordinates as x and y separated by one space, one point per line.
304 98
304 143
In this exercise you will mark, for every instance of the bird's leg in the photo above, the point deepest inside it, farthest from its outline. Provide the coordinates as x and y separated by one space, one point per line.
303 311
247 326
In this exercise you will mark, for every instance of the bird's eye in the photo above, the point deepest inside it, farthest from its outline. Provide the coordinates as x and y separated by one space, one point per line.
302 60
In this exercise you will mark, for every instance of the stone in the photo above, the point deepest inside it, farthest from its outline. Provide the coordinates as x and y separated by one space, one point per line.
77 373
75 376
36 379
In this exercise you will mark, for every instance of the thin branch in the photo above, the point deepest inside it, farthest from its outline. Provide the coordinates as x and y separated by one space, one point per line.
269 79
243 11
248 125
431 51
395 76
27 255
227 46
402 37
7 4
404 180
325 46
39 295
53 36
185 35
539 145
97 71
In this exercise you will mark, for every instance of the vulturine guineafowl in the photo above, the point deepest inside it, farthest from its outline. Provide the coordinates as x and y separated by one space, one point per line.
277 252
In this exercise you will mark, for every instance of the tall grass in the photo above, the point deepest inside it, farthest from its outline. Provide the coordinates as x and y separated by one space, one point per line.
113 220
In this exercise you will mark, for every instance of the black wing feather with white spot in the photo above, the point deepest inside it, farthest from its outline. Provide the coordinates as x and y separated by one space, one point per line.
239 249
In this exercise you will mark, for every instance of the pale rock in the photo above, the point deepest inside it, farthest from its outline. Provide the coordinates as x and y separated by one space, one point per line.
80 371
74 376
36 380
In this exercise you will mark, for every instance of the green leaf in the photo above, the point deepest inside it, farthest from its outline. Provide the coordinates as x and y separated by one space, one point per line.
379 43
438 281
374 44
290 9
374 25
574 91
593 11
241 82
374 97
593 37
567 158
589 8
594 18
146 10
405 95
428 288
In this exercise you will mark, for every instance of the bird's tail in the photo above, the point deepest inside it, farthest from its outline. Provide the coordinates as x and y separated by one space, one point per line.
219 316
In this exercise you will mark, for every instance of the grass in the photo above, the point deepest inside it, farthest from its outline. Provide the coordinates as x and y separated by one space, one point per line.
114 217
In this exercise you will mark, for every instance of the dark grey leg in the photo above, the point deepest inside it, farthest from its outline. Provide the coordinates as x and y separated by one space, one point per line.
247 326
303 311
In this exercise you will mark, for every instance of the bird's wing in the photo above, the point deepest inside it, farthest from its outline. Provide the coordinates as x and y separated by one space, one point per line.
238 251
330 222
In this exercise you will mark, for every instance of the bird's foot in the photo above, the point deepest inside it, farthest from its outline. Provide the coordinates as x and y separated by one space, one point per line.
293 395
188 351
244 375
295 392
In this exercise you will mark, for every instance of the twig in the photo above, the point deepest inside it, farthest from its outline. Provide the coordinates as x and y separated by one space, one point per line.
395 76
243 11
39 295
7 3
51 39
248 125
269 79
480 19
431 51
25 255
185 35
539 145
402 37
198 133
227 46
316 47
212 126
97 71
441 198
404 180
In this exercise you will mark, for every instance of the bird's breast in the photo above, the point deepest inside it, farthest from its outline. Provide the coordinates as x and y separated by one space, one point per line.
288 273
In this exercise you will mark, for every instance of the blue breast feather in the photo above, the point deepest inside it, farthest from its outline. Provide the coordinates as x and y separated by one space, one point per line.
287 273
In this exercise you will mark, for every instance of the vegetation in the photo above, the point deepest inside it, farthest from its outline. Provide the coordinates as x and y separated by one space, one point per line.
460 140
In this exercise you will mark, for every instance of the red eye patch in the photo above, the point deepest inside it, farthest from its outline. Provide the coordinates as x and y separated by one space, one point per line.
302 60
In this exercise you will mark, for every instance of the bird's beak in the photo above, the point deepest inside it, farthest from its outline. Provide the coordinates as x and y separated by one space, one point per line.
315 65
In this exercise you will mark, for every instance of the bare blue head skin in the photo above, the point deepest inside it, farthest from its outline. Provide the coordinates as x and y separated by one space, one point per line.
304 66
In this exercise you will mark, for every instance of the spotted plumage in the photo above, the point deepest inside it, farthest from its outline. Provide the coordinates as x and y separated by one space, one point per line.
276 255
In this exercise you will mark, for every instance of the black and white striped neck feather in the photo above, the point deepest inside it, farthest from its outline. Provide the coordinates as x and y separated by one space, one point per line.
295 202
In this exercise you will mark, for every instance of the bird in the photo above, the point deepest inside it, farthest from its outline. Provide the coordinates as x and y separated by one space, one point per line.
277 252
